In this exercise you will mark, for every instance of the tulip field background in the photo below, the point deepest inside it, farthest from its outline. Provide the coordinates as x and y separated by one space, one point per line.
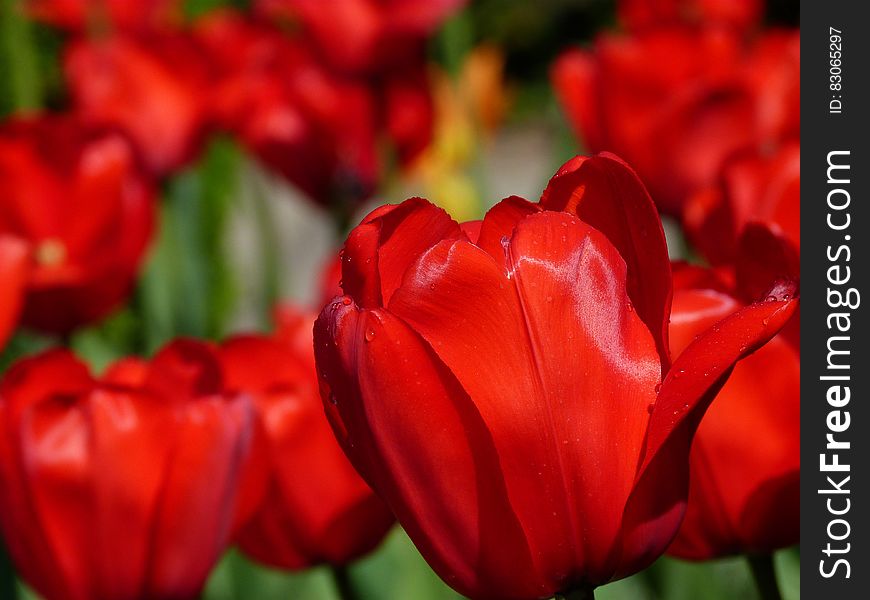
235 238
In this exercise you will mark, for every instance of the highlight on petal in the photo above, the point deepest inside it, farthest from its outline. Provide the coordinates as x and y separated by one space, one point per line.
607 194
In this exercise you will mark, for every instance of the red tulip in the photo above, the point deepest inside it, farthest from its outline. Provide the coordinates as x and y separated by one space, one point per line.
381 45
642 14
678 101
752 187
79 200
151 88
14 255
365 35
314 128
508 390
317 509
122 487
81 15
744 495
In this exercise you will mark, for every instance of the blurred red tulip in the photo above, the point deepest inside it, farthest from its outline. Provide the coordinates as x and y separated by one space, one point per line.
314 128
753 187
511 395
78 199
81 15
678 101
151 88
111 489
744 492
365 35
317 509
641 14
14 262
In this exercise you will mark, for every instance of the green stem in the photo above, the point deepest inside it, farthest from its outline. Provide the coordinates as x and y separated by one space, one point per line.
20 58
578 594
8 589
344 583
764 574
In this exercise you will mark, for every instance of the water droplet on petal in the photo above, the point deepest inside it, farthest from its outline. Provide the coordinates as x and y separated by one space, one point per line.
658 387
370 334
346 301
650 407
765 321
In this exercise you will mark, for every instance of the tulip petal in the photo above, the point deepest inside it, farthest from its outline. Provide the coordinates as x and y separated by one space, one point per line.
129 437
13 275
378 252
657 503
413 432
313 485
606 193
746 454
499 223
560 367
197 501
26 385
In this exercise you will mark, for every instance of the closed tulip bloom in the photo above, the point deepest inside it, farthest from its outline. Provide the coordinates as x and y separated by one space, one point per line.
677 102
744 492
507 387
314 128
84 208
14 264
150 88
316 509
120 487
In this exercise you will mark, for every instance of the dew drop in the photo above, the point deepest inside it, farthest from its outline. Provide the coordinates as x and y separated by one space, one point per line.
765 321
650 407
770 299
630 307
332 399
679 373
658 387
370 334
368 260
346 301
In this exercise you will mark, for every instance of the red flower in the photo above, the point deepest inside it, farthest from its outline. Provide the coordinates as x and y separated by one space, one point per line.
314 128
122 487
79 200
151 88
365 35
507 388
642 14
81 15
380 44
744 495
14 254
678 101
317 509
752 187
